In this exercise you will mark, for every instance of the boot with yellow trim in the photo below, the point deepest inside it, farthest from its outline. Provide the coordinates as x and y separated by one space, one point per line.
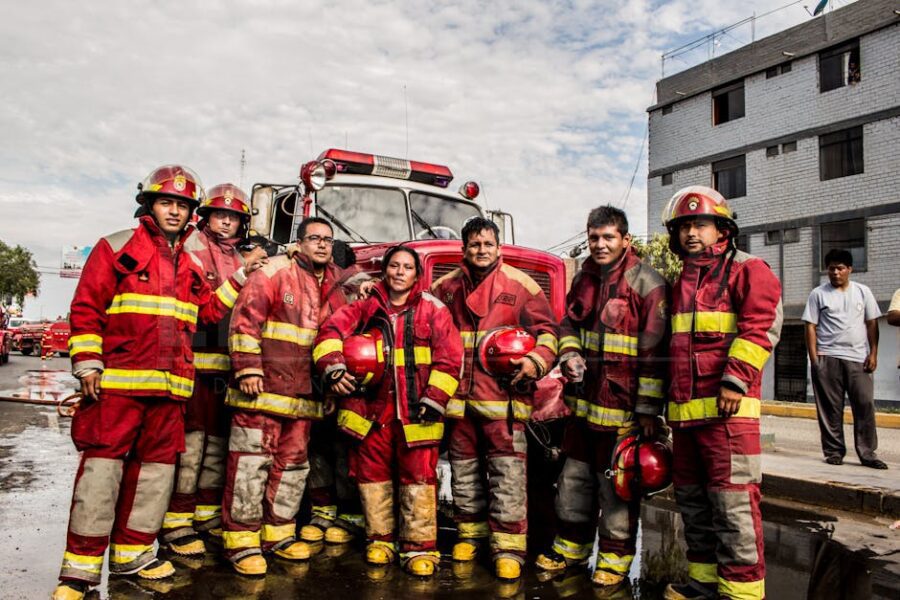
292 550
507 568
552 560
421 566
188 545
466 550
157 569
254 565
380 553
692 590
70 590
338 535
312 533
602 577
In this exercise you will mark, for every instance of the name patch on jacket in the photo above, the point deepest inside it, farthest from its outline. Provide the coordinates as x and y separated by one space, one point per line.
288 298
506 298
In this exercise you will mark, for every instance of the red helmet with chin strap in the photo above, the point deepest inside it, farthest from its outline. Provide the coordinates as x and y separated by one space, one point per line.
225 196
502 345
175 181
364 355
640 467
697 201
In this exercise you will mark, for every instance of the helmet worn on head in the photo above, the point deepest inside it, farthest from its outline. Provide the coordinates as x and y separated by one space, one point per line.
500 346
174 181
640 468
694 202
364 355
225 196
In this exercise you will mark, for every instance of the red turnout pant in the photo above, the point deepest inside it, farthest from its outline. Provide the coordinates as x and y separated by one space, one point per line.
196 503
265 478
375 463
123 482
717 472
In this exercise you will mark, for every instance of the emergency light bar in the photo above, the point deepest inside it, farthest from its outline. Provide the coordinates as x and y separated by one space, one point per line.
357 163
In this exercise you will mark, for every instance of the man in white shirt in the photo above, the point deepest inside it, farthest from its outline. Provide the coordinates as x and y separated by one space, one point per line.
842 341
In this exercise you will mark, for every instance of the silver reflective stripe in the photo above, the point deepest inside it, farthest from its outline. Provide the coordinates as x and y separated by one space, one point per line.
575 492
94 500
245 439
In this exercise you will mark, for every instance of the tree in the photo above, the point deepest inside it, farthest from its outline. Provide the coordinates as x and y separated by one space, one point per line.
18 273
656 251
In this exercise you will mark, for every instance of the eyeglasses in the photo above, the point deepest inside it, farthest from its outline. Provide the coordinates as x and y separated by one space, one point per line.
316 239
247 247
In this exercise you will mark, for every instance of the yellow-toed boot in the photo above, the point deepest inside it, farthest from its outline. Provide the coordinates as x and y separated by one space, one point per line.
70 590
190 545
158 569
338 535
294 551
311 533
378 554
421 566
465 550
254 564
605 578
550 561
507 568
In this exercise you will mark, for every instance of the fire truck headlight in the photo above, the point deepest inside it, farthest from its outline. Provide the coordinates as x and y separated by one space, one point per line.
314 175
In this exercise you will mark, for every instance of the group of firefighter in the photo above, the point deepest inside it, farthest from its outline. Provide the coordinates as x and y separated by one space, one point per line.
220 384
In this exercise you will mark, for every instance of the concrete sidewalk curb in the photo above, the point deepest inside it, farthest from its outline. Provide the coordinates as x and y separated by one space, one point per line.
878 502
808 411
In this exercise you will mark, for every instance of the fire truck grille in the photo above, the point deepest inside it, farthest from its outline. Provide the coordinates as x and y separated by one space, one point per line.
540 277
385 166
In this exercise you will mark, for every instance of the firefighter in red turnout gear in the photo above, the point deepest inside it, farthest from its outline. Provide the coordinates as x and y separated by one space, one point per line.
196 504
722 335
135 310
613 343
488 435
398 419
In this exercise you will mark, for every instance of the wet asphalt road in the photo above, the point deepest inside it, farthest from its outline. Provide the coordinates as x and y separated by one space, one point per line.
810 553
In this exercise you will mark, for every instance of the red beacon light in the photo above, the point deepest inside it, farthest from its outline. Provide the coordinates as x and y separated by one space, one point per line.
469 190
315 173
357 163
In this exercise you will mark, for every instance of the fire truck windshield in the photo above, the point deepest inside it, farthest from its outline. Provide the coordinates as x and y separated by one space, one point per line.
437 217
365 213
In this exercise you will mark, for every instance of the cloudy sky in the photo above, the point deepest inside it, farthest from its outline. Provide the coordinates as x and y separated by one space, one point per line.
541 102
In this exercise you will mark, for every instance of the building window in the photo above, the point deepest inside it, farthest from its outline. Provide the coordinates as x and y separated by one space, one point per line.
667 110
771 72
666 179
778 70
728 103
730 176
839 66
841 153
742 243
788 147
846 235
771 151
785 68
779 236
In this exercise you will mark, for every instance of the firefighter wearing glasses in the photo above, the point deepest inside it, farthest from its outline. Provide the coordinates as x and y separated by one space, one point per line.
398 419
722 335
488 437
613 341
133 315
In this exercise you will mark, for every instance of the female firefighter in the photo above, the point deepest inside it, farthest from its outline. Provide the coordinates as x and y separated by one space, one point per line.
397 410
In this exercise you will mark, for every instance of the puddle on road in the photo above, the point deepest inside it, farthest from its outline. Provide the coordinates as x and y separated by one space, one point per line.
44 384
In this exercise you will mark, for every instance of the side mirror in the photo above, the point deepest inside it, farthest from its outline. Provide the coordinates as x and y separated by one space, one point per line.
504 222
262 207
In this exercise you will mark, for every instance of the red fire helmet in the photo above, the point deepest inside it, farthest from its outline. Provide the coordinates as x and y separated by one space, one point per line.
697 201
364 354
502 345
225 196
640 467
172 180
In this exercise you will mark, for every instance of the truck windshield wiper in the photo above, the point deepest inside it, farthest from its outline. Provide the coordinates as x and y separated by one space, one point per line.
341 225
424 224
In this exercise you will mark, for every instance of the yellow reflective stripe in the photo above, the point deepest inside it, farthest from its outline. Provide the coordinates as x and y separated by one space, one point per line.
571 550
89 564
421 354
703 572
205 512
164 306
650 387
569 342
442 381
609 561
471 338
174 520
707 408
498 409
146 380
456 408
549 340
209 361
287 332
227 294
329 513
351 421
508 541
620 344
242 342
276 533
275 403
234 540
602 416
86 342
706 322
125 553
327 347
742 590
479 529
421 432
590 340
749 352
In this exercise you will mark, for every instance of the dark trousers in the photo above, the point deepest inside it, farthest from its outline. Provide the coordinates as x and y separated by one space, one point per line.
832 378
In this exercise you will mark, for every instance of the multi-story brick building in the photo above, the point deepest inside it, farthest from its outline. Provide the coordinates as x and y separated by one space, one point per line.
801 131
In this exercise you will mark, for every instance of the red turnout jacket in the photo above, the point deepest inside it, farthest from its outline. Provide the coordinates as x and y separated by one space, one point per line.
506 296
436 357
136 308
617 320
722 333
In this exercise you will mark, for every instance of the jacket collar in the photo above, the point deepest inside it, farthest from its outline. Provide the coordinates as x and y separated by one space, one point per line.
156 234
227 245
479 297
709 255
381 295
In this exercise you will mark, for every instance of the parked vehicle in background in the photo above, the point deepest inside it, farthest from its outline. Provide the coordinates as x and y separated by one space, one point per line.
28 338
56 339
13 327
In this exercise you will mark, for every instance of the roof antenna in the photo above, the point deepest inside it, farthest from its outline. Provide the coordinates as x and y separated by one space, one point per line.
406 111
